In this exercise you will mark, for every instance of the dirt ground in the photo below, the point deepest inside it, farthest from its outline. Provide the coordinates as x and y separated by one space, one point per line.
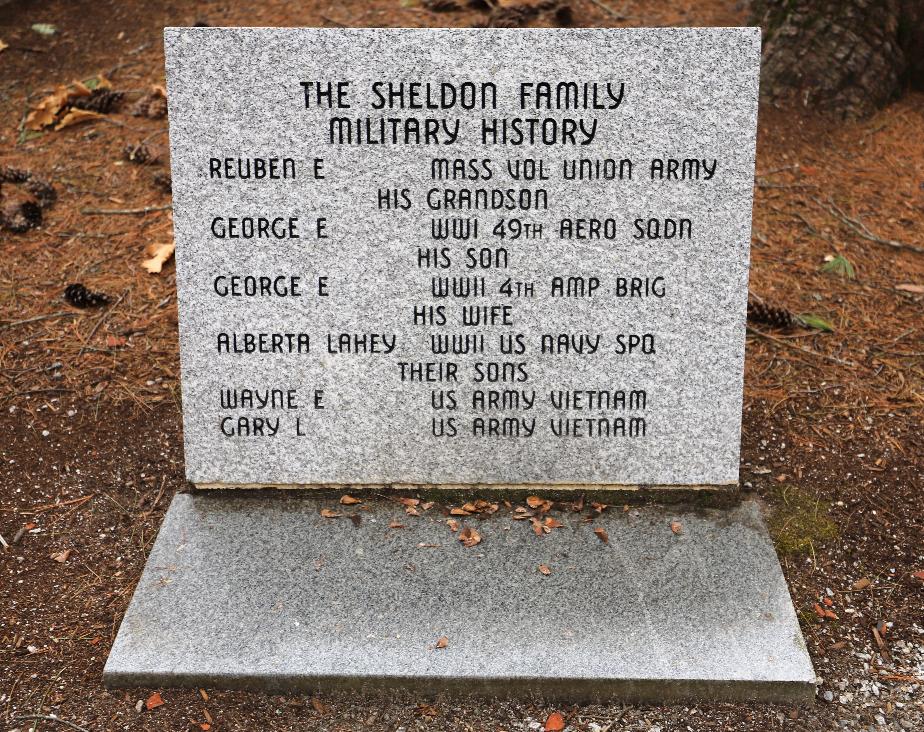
90 422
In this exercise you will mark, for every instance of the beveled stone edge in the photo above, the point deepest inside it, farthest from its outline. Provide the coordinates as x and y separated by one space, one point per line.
574 690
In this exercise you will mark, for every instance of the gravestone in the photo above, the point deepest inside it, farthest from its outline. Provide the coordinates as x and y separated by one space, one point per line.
477 259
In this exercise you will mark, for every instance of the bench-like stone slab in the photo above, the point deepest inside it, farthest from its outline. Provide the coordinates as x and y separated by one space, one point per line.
262 592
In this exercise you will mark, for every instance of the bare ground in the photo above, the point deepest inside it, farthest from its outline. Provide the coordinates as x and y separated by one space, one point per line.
90 435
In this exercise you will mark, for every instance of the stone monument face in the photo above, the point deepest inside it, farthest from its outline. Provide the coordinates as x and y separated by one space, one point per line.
462 256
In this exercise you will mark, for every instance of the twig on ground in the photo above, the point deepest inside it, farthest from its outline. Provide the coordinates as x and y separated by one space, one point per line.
795 347
860 228
160 493
609 11
123 211
19 534
61 314
48 506
99 322
50 718
3 541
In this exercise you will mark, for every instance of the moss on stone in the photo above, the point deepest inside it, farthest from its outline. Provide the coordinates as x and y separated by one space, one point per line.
799 521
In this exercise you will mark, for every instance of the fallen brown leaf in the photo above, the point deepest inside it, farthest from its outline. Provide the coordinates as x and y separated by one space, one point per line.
61 557
555 722
154 701
411 511
442 642
909 287
453 525
551 523
318 706
599 507
76 116
545 569
534 501
409 501
329 513
602 535
395 525
204 694
459 512
349 500
676 527
469 537
160 255
46 111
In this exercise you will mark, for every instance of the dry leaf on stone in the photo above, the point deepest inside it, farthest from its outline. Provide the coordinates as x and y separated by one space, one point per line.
442 642
598 508
349 500
329 513
538 504
676 527
551 523
545 569
61 557
76 116
459 512
453 525
395 525
469 537
409 501
154 701
555 722
160 255
602 535
411 511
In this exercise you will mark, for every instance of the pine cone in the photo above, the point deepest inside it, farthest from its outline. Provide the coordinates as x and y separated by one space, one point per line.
8 174
101 100
515 16
19 211
163 181
441 6
761 312
563 16
80 297
140 154
43 192
152 106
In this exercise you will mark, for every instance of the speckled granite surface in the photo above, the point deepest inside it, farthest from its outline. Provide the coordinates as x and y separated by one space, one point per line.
262 592
684 94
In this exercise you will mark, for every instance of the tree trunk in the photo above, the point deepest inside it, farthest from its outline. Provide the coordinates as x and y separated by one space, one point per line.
847 56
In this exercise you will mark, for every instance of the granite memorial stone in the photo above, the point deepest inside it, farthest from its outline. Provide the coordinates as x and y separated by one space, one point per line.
460 258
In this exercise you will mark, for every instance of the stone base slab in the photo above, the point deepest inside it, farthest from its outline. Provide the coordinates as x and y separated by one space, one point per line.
262 592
